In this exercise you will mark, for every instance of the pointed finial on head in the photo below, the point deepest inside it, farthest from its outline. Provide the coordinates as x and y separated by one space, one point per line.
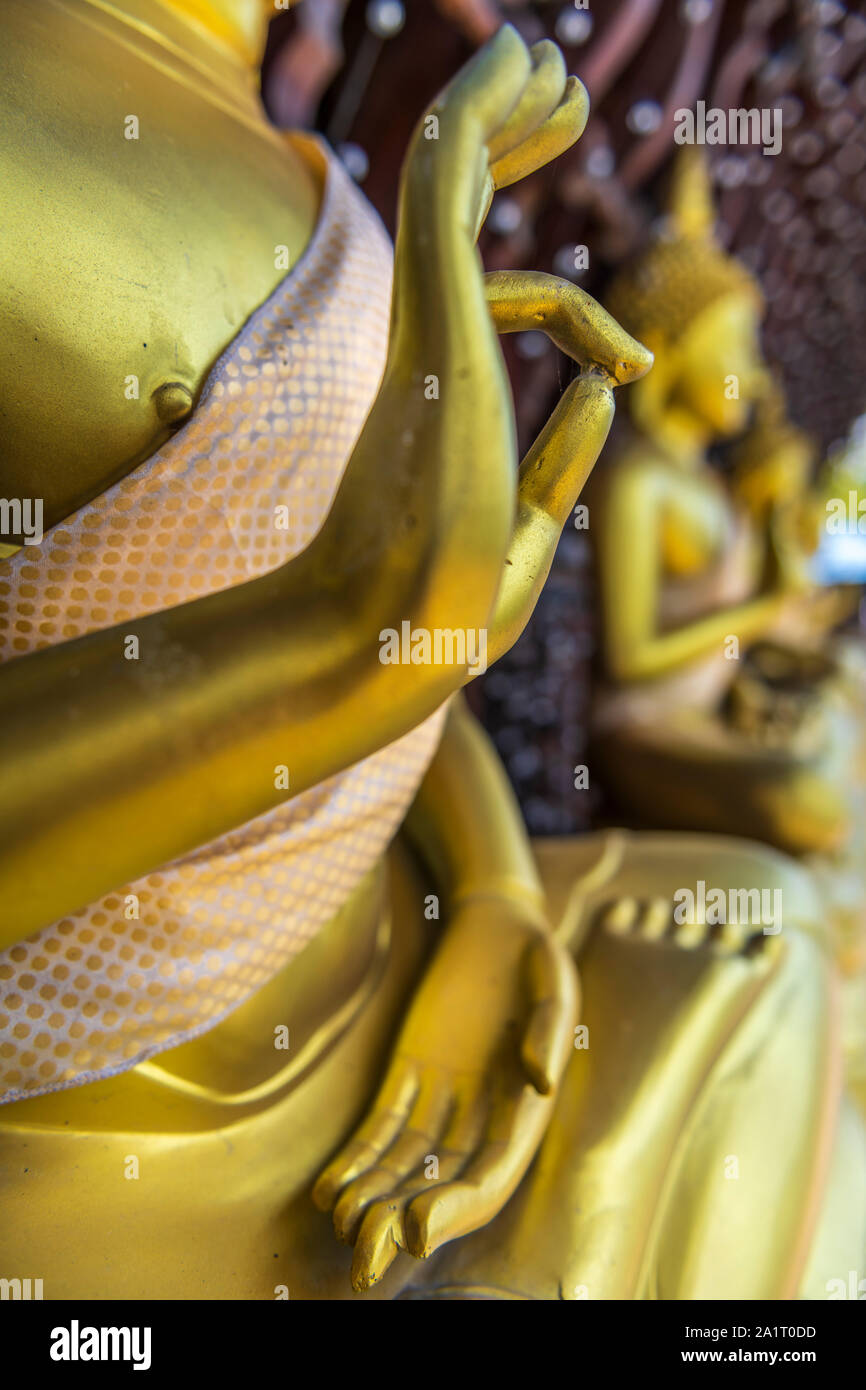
690 208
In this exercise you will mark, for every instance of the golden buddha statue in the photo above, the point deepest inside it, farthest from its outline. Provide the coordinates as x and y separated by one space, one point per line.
722 707
258 458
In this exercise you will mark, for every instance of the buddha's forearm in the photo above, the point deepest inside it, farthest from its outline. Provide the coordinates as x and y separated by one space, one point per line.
655 656
466 822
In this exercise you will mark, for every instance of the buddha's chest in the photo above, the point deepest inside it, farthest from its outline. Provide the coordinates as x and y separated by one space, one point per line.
143 222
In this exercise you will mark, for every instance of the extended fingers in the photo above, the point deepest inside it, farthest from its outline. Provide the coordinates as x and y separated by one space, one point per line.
447 170
558 133
541 97
402 1158
382 1234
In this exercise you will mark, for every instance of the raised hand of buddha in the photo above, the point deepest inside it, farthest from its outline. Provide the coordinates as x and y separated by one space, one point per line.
468 1093
509 112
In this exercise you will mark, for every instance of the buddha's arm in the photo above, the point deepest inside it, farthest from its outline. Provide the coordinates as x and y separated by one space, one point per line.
466 824
629 555
477 1063
111 766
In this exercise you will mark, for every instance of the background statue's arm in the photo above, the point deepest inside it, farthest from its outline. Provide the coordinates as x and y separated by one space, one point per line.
111 766
629 561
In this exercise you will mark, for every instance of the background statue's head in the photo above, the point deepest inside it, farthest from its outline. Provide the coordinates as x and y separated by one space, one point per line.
697 309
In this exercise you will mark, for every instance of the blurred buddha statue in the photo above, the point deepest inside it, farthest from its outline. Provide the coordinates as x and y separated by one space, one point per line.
278 962
729 703
725 706
812 664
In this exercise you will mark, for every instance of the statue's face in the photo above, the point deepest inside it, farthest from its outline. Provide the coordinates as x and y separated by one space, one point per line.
721 371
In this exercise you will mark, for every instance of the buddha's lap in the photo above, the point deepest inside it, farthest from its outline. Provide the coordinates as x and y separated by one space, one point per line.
691 769
145 1184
